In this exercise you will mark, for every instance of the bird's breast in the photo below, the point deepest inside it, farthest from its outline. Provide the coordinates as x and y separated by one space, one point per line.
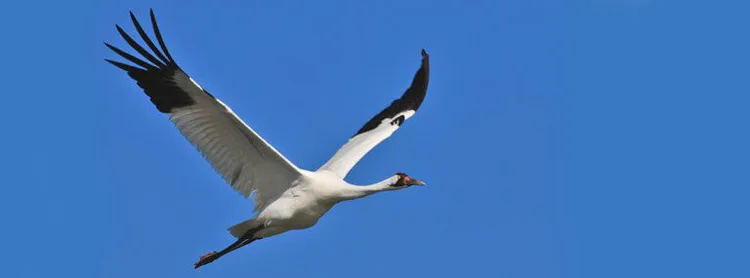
299 209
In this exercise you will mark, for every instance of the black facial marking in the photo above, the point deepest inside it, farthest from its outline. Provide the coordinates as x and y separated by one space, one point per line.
400 181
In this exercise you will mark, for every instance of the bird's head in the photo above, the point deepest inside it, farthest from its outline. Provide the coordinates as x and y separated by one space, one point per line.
405 180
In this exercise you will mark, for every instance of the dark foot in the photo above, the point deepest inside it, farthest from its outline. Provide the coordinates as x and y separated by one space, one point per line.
206 259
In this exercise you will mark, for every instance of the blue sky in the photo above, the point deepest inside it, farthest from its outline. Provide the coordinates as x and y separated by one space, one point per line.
585 138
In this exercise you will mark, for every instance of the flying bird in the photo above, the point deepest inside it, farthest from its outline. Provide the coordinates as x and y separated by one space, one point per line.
285 196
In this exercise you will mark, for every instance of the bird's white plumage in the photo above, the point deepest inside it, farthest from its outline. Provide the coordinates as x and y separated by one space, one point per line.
244 159
358 146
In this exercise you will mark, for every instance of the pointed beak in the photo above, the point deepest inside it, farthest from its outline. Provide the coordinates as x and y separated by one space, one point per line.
419 182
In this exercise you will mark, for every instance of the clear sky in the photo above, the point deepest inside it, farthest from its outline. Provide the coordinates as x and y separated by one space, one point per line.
584 138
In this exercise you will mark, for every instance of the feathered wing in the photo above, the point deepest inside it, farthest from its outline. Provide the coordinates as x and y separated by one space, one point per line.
243 159
382 125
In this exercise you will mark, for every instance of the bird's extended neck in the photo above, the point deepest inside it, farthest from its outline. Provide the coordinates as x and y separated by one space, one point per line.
358 191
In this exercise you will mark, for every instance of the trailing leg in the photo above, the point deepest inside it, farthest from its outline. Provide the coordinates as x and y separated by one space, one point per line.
245 239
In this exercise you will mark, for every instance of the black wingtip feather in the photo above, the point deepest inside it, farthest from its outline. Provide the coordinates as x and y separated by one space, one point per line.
139 48
124 67
410 100
130 57
418 88
148 40
157 81
158 36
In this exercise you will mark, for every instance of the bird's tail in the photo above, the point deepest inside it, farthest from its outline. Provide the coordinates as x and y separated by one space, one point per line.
240 229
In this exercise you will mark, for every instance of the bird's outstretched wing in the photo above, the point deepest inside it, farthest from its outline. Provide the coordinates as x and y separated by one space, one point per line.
245 161
382 125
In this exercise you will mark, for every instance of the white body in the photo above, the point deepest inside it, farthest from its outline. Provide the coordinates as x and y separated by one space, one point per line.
301 206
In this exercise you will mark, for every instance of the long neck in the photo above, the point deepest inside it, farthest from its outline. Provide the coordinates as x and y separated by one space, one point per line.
358 191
